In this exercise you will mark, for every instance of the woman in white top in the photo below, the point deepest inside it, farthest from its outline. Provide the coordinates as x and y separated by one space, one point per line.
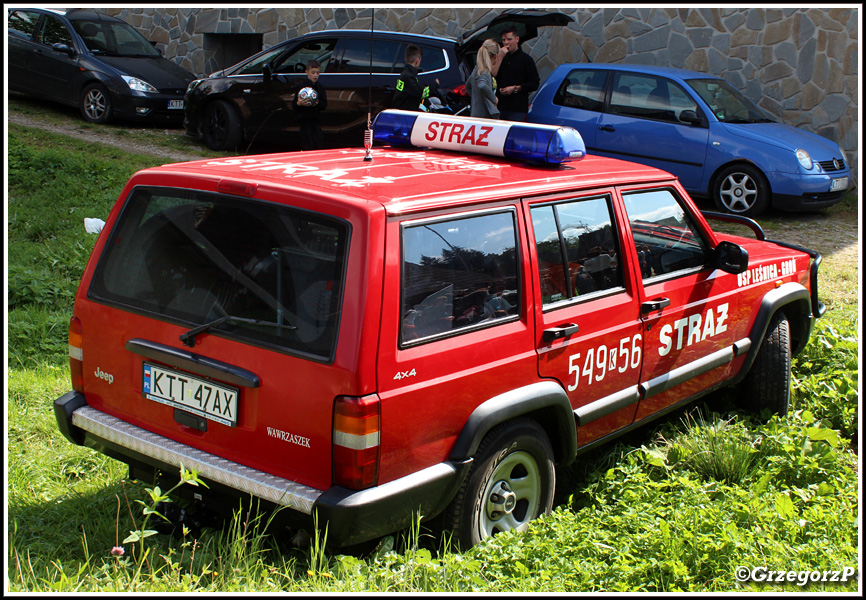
481 85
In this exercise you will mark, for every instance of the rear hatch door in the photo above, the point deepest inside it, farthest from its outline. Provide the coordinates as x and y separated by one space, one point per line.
526 22
212 320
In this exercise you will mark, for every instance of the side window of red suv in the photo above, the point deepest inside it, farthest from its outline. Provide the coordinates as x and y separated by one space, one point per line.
578 251
665 235
458 274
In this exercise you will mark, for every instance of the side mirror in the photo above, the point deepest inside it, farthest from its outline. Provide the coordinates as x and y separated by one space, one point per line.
156 47
266 72
731 258
690 117
64 48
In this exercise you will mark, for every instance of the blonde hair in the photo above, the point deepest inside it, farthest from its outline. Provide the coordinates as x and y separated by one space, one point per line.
486 52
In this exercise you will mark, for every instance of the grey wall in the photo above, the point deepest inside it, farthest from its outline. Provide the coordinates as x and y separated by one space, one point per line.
800 64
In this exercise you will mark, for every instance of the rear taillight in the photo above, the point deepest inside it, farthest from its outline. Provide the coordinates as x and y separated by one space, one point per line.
76 354
356 442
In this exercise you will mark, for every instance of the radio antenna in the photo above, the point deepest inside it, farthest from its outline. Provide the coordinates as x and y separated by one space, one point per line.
368 134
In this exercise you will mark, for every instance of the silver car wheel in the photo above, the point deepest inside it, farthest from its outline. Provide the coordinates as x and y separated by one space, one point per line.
512 496
738 192
95 104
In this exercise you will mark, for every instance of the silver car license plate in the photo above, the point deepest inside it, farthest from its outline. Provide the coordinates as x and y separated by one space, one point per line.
839 184
193 394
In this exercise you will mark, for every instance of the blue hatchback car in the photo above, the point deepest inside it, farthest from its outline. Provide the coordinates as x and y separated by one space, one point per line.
698 127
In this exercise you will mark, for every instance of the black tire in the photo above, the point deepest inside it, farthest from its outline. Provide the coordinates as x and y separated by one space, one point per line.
510 483
768 384
741 189
95 104
221 126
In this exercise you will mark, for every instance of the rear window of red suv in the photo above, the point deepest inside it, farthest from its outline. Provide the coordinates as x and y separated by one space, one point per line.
259 272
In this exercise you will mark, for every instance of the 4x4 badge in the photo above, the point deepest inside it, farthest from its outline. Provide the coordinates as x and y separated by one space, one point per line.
404 374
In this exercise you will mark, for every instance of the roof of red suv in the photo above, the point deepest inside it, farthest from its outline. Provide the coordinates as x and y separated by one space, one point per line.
410 180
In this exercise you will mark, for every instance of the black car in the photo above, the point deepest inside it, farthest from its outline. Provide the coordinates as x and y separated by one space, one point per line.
252 100
95 62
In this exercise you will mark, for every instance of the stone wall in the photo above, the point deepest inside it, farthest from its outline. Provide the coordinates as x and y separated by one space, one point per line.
800 64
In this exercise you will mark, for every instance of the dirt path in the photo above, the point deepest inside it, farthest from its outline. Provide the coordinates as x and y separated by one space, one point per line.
129 142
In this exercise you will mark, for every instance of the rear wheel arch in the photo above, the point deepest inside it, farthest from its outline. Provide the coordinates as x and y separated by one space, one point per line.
544 402
510 483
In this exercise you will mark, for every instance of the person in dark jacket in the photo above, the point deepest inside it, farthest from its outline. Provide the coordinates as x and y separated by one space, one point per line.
309 110
517 78
410 93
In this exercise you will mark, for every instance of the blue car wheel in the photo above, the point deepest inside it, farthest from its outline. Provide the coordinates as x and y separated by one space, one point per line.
743 190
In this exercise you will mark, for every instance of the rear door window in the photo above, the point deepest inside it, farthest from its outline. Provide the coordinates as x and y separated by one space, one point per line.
578 251
584 89
258 272
434 59
22 23
459 274
355 56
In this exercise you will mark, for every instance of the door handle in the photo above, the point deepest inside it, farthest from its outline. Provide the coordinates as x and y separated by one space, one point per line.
654 305
557 333
607 128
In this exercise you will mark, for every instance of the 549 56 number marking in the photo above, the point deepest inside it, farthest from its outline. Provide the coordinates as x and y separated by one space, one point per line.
603 360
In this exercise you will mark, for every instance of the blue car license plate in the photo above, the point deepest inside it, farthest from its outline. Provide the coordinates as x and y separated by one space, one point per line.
840 184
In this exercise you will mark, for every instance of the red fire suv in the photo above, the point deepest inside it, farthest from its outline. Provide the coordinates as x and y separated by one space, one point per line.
416 330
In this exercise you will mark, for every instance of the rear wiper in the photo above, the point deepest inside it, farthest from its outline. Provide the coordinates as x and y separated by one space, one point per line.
188 338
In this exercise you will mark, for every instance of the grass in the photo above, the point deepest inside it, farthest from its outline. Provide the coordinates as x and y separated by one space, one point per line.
675 507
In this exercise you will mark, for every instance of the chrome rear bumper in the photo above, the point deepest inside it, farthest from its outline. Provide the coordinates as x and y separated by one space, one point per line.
144 443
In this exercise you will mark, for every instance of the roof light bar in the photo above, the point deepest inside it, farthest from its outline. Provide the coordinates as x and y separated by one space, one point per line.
518 141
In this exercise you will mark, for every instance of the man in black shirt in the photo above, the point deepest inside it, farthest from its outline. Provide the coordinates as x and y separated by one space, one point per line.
517 78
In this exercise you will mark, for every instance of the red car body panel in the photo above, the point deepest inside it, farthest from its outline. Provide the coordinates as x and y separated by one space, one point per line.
429 391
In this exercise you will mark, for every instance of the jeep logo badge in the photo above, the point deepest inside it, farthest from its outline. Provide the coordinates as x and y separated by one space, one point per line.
100 374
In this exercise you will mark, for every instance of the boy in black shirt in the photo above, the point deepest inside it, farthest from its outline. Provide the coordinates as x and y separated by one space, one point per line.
308 109
410 93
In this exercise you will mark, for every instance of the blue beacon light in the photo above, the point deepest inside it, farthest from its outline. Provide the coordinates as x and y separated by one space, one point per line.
516 141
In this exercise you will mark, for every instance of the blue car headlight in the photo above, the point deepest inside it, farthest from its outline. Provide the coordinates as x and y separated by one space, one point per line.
139 85
804 159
